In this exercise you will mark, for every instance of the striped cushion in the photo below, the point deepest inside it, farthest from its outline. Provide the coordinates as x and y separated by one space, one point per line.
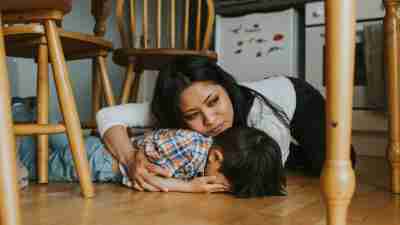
17 5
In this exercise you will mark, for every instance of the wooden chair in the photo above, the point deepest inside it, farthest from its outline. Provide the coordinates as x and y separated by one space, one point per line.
32 32
146 51
9 198
76 46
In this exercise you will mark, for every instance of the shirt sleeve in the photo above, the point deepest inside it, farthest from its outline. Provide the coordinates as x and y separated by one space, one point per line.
128 115
277 89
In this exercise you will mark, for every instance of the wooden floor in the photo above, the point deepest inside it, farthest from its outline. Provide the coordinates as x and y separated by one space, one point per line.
61 204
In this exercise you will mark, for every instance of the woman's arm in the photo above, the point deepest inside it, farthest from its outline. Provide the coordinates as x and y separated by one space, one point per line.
112 124
127 115
119 145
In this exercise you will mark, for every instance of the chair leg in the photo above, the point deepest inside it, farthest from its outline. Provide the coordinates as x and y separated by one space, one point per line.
135 86
129 79
43 90
106 83
9 198
392 58
338 178
68 108
96 89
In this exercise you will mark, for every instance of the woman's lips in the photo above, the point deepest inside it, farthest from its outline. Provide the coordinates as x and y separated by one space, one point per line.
216 130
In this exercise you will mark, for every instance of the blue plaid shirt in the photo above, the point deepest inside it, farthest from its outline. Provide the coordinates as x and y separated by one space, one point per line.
183 153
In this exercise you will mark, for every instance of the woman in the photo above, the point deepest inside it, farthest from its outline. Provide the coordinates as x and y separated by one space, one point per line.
197 94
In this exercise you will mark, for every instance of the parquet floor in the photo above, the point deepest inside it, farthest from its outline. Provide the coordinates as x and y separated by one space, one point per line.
61 204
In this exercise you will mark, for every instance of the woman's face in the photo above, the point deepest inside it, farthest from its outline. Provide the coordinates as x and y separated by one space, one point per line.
206 108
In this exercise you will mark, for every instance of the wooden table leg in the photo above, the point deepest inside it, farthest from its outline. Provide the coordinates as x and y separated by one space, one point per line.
68 108
9 198
392 62
337 178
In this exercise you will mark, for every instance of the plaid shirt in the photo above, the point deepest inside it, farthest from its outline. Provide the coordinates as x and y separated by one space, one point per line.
183 153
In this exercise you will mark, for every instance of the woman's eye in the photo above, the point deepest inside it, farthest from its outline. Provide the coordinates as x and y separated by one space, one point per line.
213 101
191 116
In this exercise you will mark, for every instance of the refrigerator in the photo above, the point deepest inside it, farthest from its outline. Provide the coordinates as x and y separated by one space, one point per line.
258 45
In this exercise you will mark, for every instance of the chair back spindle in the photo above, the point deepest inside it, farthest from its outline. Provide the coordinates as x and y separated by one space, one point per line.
145 23
132 24
210 24
180 14
158 25
172 23
119 10
186 25
198 24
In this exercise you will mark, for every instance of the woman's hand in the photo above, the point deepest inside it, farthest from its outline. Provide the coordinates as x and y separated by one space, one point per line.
207 184
143 174
140 171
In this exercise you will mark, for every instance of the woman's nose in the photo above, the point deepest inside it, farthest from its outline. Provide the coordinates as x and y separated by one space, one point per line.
209 118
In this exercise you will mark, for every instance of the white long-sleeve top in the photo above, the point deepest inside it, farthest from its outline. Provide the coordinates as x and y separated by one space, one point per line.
127 115
279 90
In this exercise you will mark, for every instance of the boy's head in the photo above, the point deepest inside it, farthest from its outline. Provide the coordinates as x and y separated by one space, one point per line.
250 160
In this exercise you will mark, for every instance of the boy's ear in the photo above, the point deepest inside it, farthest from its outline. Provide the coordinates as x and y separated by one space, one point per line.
216 155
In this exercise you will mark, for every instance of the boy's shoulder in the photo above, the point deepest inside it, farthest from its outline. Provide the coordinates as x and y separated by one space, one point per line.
170 132
178 135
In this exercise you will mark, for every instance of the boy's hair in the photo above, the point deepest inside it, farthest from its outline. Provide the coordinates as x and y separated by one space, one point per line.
252 162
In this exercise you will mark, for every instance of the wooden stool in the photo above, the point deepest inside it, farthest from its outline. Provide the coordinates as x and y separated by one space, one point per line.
9 199
32 32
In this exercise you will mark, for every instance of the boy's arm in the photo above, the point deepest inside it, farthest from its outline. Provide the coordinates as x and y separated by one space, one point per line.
198 184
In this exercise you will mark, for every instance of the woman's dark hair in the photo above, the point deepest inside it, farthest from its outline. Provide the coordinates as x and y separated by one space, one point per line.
174 78
252 162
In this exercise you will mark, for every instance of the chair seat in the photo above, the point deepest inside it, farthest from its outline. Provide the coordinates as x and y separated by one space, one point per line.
22 39
23 5
155 58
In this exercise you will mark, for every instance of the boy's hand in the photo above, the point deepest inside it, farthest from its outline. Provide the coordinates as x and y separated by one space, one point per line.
207 184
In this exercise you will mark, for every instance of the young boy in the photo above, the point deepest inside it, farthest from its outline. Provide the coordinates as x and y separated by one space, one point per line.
244 161
183 154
